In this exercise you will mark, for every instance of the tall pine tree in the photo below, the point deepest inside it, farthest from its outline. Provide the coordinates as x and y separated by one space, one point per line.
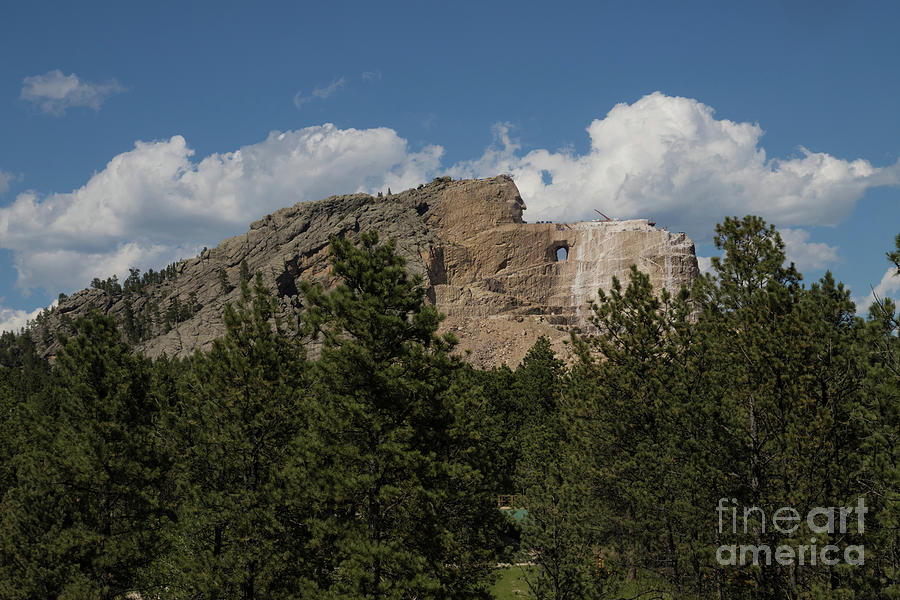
401 510
241 408
86 514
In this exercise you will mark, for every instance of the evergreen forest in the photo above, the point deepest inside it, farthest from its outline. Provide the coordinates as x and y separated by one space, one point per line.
354 454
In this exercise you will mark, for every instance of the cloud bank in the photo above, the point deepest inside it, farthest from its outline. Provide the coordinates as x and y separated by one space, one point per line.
663 157
54 92
669 158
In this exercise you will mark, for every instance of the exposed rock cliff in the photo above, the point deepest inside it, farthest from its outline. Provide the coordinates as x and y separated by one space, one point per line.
498 279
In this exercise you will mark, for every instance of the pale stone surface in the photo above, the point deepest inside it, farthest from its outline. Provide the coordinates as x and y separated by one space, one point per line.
496 278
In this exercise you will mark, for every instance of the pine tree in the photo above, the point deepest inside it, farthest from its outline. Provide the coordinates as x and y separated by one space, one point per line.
493 411
239 533
133 284
629 393
880 448
894 255
557 531
10 400
402 511
787 377
224 285
129 322
85 516
539 383
244 272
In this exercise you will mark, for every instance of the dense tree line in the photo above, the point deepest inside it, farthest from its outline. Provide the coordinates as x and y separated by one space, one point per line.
353 455
136 282
145 317
749 391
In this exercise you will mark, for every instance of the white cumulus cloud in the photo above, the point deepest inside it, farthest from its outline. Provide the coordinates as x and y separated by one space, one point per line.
669 158
54 92
663 157
806 255
888 287
154 204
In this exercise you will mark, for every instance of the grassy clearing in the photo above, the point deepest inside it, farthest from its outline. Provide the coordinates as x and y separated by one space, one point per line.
511 585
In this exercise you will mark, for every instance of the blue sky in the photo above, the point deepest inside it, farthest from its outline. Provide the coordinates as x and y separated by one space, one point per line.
133 135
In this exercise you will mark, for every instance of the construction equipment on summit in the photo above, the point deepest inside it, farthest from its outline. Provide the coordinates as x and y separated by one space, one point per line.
605 218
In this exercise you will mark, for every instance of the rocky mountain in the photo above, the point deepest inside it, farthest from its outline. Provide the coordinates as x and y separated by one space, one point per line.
500 281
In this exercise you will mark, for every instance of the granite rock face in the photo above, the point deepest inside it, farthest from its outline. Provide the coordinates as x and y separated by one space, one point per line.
500 281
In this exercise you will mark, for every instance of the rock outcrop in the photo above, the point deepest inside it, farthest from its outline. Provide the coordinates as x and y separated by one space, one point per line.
500 281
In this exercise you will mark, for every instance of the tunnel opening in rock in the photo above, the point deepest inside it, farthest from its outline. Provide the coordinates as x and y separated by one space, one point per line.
562 254
286 286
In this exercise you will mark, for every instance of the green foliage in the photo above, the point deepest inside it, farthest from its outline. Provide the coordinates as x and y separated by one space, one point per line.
19 352
136 283
557 532
751 387
244 272
493 413
142 318
84 514
179 311
786 371
753 261
894 256
110 285
632 427
880 448
224 284
240 413
371 470
402 512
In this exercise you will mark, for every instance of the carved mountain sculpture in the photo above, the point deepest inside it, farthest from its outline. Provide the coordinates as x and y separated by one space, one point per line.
500 281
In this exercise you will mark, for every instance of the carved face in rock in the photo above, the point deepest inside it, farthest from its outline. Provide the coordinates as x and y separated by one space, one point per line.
517 207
